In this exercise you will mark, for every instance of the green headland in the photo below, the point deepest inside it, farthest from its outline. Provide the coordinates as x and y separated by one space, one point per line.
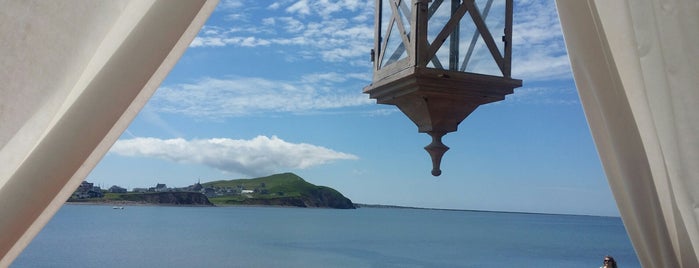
286 189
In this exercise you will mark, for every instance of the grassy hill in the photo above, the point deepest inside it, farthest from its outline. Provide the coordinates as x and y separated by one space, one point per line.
286 189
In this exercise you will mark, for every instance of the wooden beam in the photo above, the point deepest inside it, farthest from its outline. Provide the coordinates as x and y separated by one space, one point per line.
447 30
377 35
433 8
403 33
385 43
507 70
485 34
419 34
454 39
474 38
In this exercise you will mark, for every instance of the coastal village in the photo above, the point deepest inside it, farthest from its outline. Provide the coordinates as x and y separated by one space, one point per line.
90 190
285 189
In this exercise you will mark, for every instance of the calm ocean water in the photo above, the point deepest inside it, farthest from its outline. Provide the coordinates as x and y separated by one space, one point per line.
144 236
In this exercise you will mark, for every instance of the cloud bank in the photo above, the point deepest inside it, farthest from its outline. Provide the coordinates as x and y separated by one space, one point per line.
537 40
545 95
255 157
242 96
332 31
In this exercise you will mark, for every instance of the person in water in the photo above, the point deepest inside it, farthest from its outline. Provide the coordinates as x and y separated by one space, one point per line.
609 262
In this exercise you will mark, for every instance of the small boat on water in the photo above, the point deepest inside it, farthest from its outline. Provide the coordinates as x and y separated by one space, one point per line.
115 207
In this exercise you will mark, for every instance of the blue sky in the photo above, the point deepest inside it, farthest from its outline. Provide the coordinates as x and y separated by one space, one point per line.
276 86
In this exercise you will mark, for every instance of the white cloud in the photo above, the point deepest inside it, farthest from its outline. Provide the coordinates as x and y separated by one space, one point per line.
326 8
255 157
207 42
292 25
211 30
230 4
236 17
231 97
300 7
540 65
249 41
332 31
269 21
274 6
545 95
334 77
539 50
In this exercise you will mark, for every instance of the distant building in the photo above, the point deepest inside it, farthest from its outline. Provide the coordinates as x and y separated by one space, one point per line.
117 189
85 186
160 187
209 192
88 190
197 187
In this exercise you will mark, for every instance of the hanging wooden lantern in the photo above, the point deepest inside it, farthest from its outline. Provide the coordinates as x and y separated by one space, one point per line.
437 61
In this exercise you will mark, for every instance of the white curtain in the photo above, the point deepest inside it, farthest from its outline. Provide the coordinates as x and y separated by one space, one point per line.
636 66
73 74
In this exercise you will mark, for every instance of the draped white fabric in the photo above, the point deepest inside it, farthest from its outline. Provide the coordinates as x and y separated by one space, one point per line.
74 74
635 63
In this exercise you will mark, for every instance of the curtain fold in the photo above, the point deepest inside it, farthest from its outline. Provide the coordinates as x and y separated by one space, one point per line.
78 72
635 66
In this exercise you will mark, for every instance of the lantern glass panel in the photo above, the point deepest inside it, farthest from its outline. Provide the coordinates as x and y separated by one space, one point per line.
464 48
395 30
494 19
404 10
438 16
395 49
385 11
475 56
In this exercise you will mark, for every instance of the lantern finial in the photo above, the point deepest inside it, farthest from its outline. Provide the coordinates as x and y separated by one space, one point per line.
436 149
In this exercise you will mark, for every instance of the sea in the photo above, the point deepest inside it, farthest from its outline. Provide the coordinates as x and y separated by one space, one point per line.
160 236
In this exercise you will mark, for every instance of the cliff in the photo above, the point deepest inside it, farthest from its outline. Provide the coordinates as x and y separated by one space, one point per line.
161 198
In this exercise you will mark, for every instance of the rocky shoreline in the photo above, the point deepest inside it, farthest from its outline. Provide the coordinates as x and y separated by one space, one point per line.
163 198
